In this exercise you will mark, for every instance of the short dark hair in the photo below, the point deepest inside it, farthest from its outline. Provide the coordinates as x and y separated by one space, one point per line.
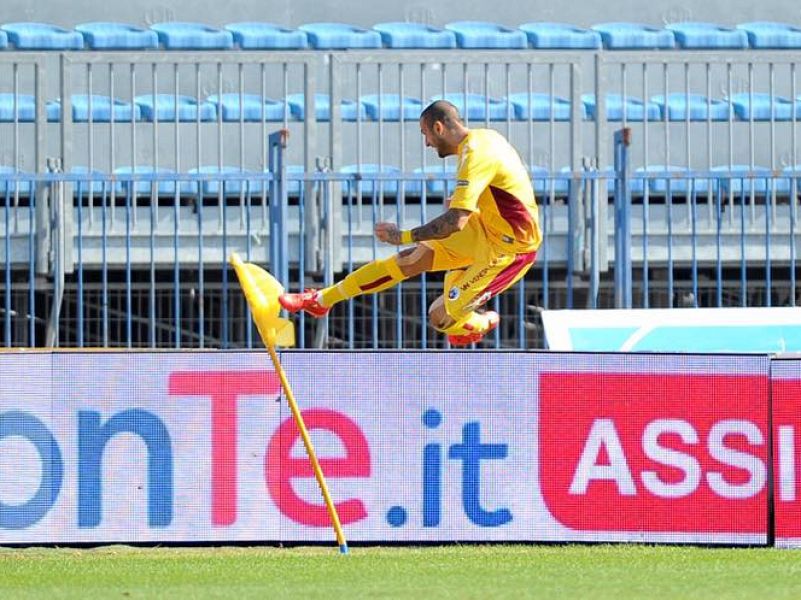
442 111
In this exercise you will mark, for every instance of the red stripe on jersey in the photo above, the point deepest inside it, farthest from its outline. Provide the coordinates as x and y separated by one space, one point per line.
505 277
514 212
374 284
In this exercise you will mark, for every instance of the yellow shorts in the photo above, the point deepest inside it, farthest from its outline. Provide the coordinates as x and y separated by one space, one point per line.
479 269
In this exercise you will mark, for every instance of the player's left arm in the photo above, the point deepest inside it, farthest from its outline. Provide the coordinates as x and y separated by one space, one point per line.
449 222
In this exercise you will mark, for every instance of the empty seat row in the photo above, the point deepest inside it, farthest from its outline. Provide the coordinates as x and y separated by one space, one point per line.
678 106
460 34
371 179
232 107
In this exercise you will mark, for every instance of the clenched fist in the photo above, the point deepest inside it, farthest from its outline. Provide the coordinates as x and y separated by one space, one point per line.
388 233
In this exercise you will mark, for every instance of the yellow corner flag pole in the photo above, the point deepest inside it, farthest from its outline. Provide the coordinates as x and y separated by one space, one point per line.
261 291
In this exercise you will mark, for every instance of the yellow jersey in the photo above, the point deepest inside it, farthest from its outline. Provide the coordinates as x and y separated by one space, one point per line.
492 182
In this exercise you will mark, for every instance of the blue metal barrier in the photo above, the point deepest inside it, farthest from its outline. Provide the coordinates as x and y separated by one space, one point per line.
622 220
148 269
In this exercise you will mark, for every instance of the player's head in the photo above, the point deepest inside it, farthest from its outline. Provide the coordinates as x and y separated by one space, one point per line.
442 127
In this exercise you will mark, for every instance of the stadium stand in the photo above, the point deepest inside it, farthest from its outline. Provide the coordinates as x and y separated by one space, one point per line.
17 107
192 36
414 35
266 36
763 107
478 34
249 107
540 107
559 36
390 107
332 36
167 107
707 36
764 35
95 107
634 109
349 110
368 186
477 107
42 36
634 36
696 107
138 114
117 36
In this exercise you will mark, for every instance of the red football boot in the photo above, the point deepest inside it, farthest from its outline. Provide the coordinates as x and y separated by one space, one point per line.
305 301
476 336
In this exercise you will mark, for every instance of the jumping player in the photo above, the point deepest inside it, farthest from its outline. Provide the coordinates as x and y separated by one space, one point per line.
486 239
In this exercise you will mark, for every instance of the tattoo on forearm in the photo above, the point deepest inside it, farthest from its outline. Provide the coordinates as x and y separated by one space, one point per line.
438 228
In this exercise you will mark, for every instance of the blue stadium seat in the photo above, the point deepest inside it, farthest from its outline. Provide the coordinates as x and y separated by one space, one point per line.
9 187
440 181
633 36
230 187
766 35
737 183
559 36
93 182
42 36
252 106
266 36
117 36
166 106
635 108
53 111
699 106
332 36
538 107
103 109
370 186
678 187
414 35
479 34
389 108
348 110
143 188
760 108
542 183
3 40
20 108
192 36
479 107
697 36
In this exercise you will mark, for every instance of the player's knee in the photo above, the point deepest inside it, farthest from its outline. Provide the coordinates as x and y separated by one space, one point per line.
413 261
438 316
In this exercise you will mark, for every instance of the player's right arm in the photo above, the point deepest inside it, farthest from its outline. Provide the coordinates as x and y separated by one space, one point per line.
449 222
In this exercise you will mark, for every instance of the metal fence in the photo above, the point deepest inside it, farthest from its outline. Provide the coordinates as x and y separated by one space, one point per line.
162 164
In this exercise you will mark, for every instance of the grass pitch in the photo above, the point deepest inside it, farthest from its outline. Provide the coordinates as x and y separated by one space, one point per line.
619 571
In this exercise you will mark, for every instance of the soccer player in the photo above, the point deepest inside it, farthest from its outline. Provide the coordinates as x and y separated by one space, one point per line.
486 239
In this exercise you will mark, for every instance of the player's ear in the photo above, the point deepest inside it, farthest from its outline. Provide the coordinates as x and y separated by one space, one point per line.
439 128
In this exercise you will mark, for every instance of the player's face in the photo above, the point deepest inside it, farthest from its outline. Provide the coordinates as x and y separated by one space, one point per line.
435 137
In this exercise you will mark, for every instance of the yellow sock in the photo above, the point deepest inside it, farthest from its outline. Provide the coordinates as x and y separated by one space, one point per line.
369 279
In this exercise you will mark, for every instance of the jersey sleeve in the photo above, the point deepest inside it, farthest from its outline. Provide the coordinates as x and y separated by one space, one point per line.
476 171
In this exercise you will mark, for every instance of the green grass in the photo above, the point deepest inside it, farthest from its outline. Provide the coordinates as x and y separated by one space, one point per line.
619 571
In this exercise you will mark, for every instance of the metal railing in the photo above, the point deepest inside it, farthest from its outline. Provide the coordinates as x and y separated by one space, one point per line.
140 271
130 250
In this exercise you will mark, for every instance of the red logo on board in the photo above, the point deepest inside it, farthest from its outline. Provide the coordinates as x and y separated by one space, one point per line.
647 452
